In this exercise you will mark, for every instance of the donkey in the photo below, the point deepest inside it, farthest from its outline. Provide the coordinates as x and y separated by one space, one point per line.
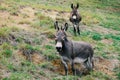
72 51
75 18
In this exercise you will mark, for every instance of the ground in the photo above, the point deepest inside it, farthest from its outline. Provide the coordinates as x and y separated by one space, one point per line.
27 47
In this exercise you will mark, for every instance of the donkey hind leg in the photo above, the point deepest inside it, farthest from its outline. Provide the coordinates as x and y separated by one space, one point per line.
73 69
65 67
89 64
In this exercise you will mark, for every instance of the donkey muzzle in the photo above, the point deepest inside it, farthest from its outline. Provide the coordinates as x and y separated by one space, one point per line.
74 16
59 46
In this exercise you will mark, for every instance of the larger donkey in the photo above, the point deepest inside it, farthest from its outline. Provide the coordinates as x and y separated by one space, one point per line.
75 18
72 51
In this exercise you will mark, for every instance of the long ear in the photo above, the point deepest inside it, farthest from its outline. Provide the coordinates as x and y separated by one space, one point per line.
72 5
56 25
77 5
66 26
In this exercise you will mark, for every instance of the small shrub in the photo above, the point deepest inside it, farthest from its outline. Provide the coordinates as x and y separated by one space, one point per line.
6 49
115 37
7 53
42 73
3 8
24 22
4 32
49 47
118 75
96 36
5 46
45 65
104 55
36 24
50 34
117 71
5 78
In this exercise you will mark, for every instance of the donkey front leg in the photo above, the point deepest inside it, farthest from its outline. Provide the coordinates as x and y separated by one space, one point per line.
78 29
65 67
74 26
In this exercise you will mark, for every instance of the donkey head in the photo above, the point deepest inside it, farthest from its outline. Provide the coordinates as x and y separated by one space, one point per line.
61 36
74 10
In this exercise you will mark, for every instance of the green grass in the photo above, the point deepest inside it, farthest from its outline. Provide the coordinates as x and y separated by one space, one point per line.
49 52
5 31
103 13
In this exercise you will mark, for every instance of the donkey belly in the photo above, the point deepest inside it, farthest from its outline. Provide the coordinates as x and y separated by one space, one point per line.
79 60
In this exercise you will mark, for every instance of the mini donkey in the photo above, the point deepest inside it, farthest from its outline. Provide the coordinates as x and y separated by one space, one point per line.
75 18
72 51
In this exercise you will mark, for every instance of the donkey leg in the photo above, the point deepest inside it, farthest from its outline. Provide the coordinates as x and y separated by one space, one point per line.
73 69
89 64
78 29
74 26
65 67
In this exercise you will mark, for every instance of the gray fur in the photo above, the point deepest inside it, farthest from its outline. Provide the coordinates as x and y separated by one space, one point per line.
74 52
75 18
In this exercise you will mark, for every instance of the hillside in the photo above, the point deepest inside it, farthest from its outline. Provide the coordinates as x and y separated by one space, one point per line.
27 45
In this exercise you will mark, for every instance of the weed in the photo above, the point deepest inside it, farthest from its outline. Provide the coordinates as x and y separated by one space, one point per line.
42 73
114 37
45 65
69 77
24 22
100 75
117 69
4 32
36 24
96 37
49 33
3 8
7 53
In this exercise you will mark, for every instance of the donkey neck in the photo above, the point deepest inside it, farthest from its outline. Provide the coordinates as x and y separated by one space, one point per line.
67 46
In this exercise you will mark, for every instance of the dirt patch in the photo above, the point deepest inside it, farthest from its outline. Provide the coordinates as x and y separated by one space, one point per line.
4 18
60 68
107 41
35 57
23 20
28 12
55 14
103 30
100 64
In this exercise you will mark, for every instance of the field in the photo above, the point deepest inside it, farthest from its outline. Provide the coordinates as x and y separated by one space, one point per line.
27 45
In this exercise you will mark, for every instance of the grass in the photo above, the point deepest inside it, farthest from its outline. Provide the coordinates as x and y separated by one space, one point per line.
5 31
24 22
94 13
49 52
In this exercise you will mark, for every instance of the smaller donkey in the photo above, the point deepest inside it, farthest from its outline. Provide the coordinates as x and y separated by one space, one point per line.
75 18
72 51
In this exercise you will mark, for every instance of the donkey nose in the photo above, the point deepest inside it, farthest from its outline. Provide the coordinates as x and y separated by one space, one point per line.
59 48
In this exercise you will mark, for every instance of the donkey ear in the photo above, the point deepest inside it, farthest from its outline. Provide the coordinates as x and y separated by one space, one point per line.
66 26
56 25
72 5
77 5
